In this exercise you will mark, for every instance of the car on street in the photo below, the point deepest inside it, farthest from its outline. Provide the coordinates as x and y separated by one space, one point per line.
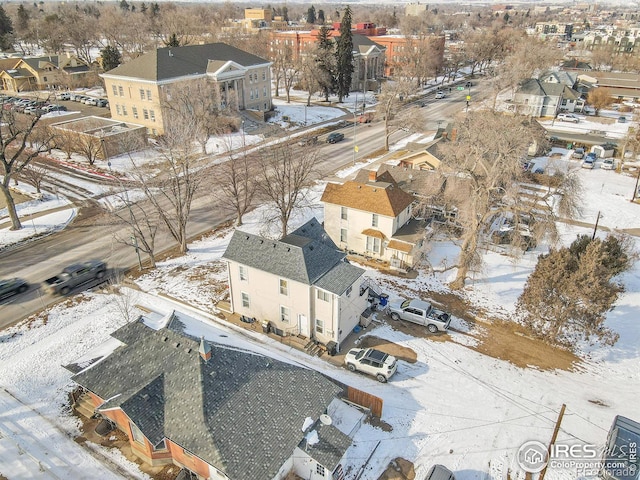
440 94
589 161
371 361
308 141
608 164
578 154
568 117
12 286
335 137
420 312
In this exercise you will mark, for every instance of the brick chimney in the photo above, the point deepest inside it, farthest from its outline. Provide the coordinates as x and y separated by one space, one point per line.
373 175
204 350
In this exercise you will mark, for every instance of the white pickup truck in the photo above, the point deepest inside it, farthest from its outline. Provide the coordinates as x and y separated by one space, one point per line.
420 312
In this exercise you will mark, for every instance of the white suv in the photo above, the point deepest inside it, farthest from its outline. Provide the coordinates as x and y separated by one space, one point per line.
440 94
373 362
568 117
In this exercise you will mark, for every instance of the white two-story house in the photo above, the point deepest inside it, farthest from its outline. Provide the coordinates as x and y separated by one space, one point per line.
373 218
301 284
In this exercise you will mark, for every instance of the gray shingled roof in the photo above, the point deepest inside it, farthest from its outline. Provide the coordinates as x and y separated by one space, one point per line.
240 412
330 449
339 278
305 255
172 62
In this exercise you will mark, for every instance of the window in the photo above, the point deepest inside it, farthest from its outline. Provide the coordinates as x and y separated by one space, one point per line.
145 113
115 90
343 213
343 235
319 326
324 296
264 91
374 220
152 115
136 433
244 272
120 91
319 469
373 244
245 300
118 109
154 132
124 110
264 75
284 314
134 110
251 94
149 95
284 287
348 292
161 446
142 94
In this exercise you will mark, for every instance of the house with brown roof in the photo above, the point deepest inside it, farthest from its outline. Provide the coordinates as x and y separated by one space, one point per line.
40 73
373 218
139 91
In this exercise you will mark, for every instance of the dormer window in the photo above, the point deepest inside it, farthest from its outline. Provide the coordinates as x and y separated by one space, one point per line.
374 220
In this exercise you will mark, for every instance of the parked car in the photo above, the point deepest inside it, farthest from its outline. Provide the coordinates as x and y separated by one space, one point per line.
420 312
578 153
102 102
373 362
75 275
12 286
335 137
32 110
589 161
91 101
568 117
608 164
440 94
62 96
622 119
440 472
58 108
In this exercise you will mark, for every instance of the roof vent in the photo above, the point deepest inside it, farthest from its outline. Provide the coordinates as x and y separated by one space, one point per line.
288 249
188 350
246 237
145 396
261 242
310 247
170 53
274 245
164 339
176 344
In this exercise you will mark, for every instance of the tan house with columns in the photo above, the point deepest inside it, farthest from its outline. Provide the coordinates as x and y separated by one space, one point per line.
139 90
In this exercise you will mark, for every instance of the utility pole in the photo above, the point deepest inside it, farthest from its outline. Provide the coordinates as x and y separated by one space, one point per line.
595 227
553 440
355 121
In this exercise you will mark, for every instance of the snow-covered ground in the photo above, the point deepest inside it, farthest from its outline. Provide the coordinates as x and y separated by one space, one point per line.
454 406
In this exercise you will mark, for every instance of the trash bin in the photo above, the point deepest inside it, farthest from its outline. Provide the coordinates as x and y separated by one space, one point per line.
332 348
384 299
266 327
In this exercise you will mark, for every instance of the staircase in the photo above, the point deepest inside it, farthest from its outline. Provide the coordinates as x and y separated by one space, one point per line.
84 406
314 349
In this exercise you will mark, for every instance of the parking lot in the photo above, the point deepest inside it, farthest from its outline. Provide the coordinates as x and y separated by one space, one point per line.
43 104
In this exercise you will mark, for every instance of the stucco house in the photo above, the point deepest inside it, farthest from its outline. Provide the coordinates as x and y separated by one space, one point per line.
218 411
41 73
372 217
139 90
300 285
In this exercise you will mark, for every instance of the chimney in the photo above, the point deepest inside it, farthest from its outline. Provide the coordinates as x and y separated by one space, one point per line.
373 175
204 350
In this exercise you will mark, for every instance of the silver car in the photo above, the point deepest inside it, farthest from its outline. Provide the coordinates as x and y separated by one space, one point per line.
420 312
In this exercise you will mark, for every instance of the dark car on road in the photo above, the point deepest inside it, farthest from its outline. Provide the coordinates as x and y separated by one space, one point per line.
335 137
12 286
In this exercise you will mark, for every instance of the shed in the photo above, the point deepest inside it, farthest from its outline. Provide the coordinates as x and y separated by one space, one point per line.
603 151
620 457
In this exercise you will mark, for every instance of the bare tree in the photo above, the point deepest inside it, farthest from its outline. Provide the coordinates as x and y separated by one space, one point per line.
310 71
389 106
599 98
89 147
17 150
34 174
285 175
236 183
487 153
172 191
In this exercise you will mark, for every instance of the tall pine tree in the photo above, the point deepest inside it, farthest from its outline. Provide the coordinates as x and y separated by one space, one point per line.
344 56
6 31
111 58
326 62
311 15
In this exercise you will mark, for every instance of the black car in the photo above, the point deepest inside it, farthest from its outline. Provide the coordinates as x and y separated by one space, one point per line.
12 286
335 137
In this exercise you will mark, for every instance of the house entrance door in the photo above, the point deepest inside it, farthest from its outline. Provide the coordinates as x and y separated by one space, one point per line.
303 325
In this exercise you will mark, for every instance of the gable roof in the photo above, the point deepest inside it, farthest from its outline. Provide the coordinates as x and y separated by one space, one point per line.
174 62
382 198
306 255
240 412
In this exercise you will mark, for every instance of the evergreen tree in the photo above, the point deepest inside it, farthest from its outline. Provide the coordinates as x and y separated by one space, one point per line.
344 56
173 41
111 58
143 8
568 294
311 15
326 62
285 14
155 10
321 18
23 18
6 31
124 6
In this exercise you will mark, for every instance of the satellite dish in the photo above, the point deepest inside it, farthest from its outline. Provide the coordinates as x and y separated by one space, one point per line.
325 419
